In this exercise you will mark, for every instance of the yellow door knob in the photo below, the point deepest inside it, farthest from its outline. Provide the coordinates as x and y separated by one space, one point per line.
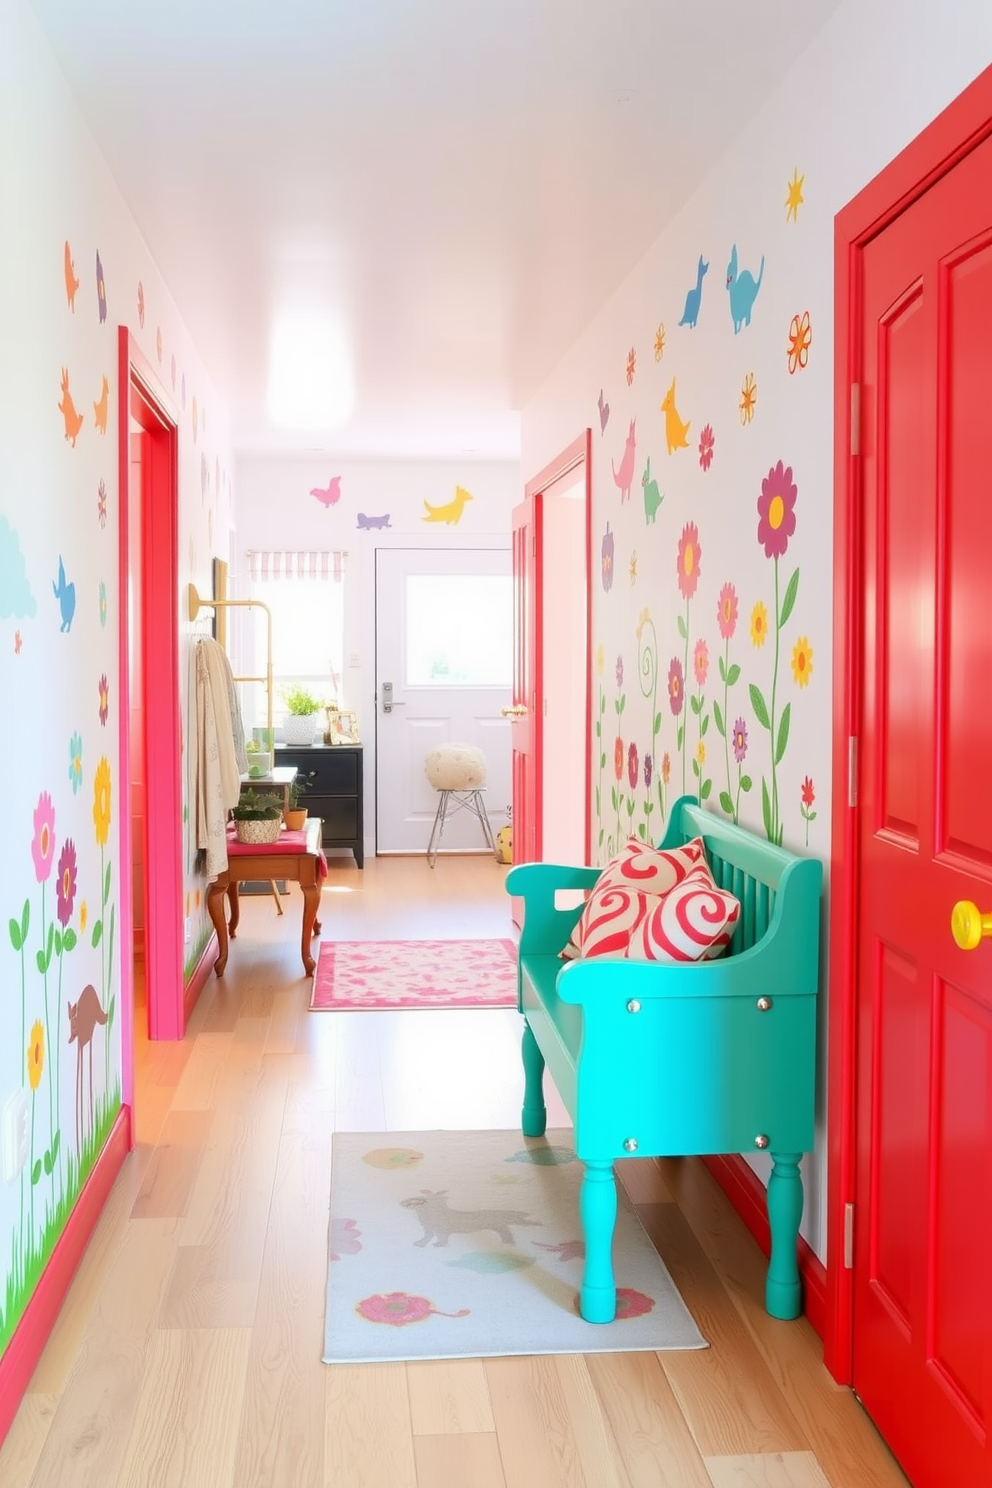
969 925
517 711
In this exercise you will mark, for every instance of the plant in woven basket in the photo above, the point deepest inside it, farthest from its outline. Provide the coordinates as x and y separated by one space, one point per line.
257 817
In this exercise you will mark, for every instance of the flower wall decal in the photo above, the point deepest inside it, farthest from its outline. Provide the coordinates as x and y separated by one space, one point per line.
659 341
707 441
800 341
727 610
749 397
807 795
631 365
776 525
688 570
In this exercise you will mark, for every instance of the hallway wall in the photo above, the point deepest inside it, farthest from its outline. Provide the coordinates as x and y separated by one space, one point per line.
712 616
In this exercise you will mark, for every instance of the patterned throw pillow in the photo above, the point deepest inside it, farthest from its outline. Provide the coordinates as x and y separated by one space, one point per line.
693 921
641 868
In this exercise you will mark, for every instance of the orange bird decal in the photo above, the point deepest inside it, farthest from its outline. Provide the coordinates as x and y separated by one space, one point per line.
73 420
71 282
100 408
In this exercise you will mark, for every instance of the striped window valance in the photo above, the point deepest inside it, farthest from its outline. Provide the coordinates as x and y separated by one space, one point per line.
296 564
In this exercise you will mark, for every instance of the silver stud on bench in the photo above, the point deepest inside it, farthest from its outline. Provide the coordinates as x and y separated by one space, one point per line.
761 1141
633 1006
764 1003
630 1144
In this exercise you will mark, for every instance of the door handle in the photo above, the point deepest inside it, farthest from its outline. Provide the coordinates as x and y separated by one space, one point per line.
969 926
388 703
516 711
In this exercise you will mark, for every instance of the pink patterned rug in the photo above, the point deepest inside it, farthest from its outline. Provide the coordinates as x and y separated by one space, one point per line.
415 973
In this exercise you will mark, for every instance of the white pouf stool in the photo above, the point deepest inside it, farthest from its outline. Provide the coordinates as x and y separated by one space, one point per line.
458 774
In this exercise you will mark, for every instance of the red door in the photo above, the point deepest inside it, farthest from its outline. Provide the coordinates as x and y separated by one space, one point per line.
525 744
923 1213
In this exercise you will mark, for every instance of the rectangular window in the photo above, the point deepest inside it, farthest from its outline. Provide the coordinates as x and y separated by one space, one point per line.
459 630
304 592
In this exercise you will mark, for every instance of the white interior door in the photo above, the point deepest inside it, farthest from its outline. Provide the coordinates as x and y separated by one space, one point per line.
444 662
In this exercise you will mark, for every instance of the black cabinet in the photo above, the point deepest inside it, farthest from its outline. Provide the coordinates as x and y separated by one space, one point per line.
334 790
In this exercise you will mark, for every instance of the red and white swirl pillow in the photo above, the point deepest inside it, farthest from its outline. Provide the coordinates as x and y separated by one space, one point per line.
651 904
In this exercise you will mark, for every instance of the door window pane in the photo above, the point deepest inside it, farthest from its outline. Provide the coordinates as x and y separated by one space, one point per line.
459 630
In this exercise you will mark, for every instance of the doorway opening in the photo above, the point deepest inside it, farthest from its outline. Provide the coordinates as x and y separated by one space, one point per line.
150 766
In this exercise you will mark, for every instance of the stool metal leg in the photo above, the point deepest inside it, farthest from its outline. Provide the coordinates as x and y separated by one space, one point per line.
479 806
438 827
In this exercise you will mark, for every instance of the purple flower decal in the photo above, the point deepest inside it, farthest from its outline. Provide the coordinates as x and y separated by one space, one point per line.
65 889
740 740
104 699
619 672
676 686
776 510
607 559
648 771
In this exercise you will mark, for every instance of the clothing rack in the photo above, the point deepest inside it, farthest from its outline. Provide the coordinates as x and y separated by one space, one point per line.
195 604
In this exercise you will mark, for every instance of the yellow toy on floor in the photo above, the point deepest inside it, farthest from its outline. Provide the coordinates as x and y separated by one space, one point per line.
504 845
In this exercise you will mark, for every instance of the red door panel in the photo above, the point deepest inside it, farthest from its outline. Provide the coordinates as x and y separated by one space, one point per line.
923 1213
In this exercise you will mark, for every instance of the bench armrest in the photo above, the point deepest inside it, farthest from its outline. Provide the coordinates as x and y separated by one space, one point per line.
545 929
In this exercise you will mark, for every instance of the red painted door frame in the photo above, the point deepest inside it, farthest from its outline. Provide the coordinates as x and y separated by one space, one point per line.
142 400
562 469
962 125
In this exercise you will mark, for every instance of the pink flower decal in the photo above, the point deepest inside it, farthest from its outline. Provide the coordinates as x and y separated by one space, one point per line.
726 611
690 556
400 1308
101 503
43 845
700 662
104 699
707 440
776 510
344 1238
618 757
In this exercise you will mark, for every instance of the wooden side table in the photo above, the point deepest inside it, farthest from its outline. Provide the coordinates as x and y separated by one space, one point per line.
297 856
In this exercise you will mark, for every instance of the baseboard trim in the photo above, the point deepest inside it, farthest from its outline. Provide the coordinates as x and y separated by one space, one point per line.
200 977
746 1192
17 1364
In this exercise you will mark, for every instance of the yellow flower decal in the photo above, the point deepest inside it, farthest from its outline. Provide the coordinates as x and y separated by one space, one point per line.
759 624
802 661
83 917
800 340
101 802
701 751
643 619
36 1055
600 659
749 397
659 341
633 567
795 198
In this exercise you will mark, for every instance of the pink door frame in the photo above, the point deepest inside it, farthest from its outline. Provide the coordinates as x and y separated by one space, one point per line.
578 453
944 142
142 399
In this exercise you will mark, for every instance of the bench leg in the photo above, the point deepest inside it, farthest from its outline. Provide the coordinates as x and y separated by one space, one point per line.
783 1293
534 1116
598 1211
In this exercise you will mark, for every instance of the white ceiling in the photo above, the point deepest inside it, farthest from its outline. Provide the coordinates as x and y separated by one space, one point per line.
460 184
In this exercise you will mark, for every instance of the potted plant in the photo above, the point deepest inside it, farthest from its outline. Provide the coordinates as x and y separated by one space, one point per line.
302 707
257 817
259 759
295 815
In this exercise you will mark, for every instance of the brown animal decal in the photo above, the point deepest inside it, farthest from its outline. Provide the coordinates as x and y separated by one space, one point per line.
440 1222
84 1015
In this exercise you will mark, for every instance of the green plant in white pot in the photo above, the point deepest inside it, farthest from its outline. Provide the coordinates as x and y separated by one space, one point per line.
302 708
259 759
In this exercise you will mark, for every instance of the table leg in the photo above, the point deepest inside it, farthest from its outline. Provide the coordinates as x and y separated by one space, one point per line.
311 903
216 908
234 895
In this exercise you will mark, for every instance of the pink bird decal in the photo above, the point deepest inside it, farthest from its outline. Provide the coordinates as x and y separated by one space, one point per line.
331 495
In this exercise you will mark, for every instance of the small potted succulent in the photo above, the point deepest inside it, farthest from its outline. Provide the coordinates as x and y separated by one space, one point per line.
257 817
302 708
295 815
259 759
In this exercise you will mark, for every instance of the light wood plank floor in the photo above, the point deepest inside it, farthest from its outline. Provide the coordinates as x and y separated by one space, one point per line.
188 1350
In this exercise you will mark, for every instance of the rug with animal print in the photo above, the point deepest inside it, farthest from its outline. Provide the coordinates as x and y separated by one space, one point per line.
452 1244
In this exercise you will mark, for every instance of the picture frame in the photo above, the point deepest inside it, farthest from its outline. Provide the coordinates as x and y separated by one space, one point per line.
344 726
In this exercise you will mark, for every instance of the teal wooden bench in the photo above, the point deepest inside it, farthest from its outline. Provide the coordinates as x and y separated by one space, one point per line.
653 1059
